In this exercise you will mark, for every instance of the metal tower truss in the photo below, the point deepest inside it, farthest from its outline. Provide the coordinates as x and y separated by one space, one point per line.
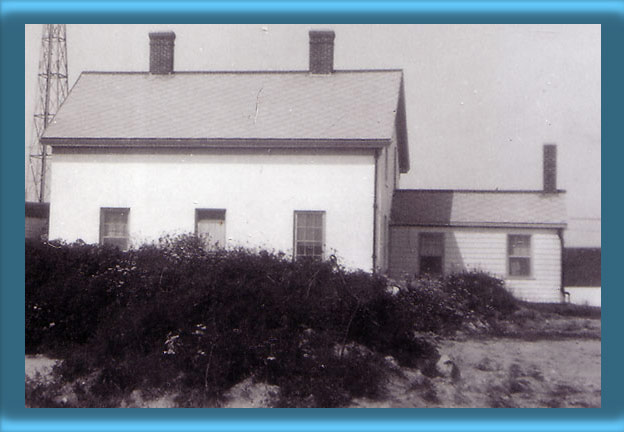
52 90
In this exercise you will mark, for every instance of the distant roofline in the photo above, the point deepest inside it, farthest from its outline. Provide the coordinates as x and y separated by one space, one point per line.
551 225
519 191
306 72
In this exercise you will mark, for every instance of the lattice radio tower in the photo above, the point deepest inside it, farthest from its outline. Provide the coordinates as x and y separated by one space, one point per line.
52 90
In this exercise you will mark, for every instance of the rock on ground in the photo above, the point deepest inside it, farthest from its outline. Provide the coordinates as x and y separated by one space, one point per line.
39 367
250 394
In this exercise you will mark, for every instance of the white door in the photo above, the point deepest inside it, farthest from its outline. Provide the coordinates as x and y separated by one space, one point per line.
211 228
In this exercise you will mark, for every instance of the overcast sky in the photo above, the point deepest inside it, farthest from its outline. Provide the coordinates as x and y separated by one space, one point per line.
481 99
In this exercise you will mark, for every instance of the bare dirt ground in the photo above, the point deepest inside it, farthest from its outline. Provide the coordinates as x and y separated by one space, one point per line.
548 363
493 372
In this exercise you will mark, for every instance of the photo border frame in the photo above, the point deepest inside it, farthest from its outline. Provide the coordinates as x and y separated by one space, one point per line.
14 14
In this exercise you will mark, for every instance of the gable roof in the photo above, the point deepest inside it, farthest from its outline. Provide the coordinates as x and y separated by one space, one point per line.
478 208
217 108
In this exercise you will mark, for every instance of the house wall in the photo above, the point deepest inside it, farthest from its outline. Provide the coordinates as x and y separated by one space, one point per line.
260 190
387 181
485 249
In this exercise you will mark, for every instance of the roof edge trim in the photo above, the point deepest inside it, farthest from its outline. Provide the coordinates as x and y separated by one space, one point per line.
561 225
519 191
213 142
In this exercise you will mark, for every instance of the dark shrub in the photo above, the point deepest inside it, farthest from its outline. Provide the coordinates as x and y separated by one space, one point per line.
563 309
171 314
479 293
432 307
66 288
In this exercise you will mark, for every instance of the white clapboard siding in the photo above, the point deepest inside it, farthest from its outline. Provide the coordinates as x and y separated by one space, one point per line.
485 249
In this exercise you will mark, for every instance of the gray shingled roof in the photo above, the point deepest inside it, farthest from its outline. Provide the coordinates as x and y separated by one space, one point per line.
345 105
478 208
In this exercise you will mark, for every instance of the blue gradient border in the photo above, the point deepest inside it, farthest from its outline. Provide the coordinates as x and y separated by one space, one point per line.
14 14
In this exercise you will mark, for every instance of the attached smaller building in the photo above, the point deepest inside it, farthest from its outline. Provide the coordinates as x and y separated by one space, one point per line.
37 217
515 235
581 275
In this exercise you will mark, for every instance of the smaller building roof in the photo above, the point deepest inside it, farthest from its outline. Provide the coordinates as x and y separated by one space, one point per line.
473 208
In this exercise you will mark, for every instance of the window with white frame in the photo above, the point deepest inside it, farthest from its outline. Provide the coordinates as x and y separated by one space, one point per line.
431 253
519 255
309 234
114 227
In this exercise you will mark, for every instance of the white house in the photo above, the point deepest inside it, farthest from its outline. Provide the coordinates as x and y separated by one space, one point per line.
305 162
515 235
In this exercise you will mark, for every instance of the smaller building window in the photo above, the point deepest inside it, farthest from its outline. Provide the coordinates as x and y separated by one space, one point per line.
431 253
309 234
114 227
519 252
210 227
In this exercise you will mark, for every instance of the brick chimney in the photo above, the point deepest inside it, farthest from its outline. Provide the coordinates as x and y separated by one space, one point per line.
322 51
550 168
161 52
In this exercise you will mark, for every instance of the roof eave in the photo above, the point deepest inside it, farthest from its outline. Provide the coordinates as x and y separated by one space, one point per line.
77 143
555 225
478 191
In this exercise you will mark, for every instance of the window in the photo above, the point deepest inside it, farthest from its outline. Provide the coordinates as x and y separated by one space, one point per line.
309 233
519 252
431 253
210 226
114 227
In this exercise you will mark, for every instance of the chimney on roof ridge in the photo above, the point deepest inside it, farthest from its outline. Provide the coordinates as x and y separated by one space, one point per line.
322 51
550 168
161 52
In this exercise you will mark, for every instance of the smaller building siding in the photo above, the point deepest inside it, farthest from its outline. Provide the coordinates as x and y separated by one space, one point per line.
485 249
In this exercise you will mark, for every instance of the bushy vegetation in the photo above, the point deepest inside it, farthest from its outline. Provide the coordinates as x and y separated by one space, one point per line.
174 316
564 309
